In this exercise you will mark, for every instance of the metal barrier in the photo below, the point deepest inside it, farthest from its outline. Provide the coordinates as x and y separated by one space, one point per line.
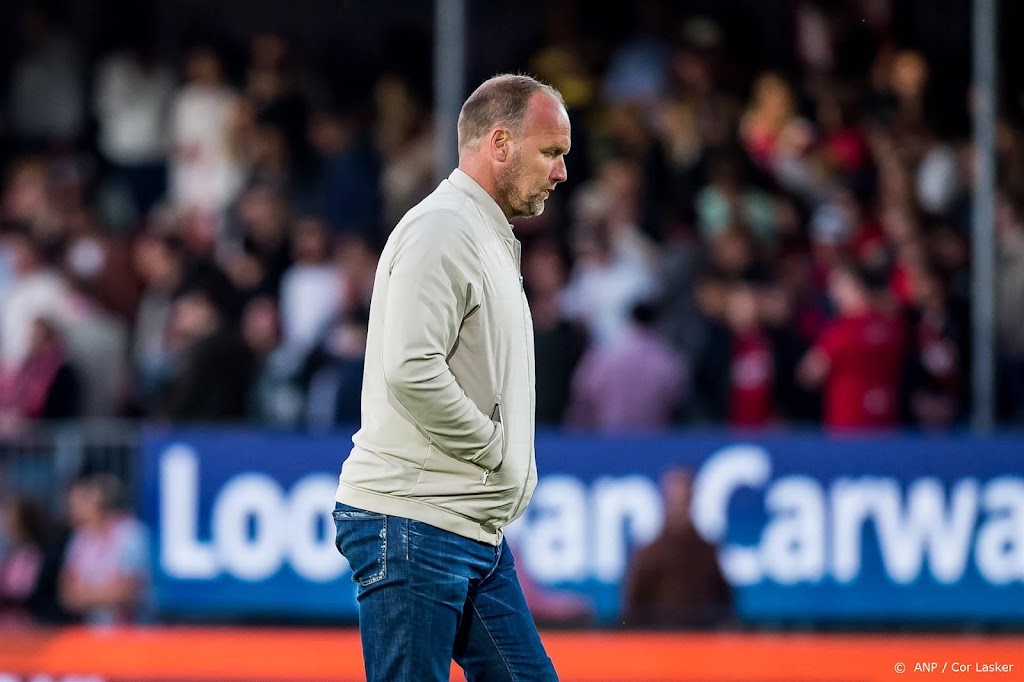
44 458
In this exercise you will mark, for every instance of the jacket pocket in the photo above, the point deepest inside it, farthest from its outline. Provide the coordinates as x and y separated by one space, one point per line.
498 417
496 410
458 487
362 538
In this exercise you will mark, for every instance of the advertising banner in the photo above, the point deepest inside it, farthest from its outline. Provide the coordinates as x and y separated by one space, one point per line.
242 523
807 528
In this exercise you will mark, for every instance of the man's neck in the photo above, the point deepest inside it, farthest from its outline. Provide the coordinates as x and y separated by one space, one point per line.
483 176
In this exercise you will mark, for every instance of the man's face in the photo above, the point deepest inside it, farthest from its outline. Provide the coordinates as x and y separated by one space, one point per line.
536 161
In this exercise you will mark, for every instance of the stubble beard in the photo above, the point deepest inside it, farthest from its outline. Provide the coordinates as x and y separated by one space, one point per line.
510 191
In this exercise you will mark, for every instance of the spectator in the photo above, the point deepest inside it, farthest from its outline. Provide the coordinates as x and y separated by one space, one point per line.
770 126
311 288
681 320
47 90
329 370
680 140
349 192
38 291
404 139
713 356
213 366
204 176
28 570
159 263
858 358
27 197
751 369
675 581
46 386
904 75
729 201
356 258
277 90
613 268
935 378
794 404
734 255
258 254
97 345
558 342
638 70
276 397
632 176
132 104
1009 307
938 179
701 71
336 385
98 265
632 385
842 149
105 574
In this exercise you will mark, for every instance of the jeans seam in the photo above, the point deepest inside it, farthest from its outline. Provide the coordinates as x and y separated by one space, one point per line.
497 560
383 557
511 675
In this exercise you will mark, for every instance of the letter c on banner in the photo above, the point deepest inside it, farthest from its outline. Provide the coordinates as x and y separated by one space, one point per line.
726 470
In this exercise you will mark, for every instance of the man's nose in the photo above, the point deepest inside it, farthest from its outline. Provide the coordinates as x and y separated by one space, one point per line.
559 174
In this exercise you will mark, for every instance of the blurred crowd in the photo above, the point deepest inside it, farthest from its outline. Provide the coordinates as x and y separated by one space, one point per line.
93 568
736 245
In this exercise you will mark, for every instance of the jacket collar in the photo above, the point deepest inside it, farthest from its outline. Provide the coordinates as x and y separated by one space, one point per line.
485 201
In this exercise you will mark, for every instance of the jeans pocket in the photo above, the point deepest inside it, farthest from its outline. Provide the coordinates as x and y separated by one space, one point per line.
362 538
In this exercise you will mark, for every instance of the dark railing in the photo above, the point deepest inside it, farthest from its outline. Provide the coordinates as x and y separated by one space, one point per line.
43 459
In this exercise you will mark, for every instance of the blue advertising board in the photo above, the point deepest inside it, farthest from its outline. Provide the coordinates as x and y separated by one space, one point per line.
808 528
242 523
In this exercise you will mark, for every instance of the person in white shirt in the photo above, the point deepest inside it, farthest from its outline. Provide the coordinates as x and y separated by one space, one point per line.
204 175
132 102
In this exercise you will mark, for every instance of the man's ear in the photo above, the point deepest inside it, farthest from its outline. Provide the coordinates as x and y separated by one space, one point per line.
499 144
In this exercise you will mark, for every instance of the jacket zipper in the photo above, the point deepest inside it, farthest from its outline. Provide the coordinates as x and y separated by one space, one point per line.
496 412
517 257
529 368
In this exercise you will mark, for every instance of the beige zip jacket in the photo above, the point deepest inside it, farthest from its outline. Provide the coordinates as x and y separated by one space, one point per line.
448 397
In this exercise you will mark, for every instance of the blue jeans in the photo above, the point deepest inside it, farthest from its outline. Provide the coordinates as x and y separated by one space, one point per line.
427 596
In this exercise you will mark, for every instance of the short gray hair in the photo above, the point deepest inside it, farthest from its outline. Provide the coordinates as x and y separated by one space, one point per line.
501 100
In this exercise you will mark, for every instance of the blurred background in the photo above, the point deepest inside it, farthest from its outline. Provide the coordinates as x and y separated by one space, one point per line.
779 310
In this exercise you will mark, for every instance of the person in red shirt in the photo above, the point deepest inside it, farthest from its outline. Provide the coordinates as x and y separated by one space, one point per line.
751 371
858 357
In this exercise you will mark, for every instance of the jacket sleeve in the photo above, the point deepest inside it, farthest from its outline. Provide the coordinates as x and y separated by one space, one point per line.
435 283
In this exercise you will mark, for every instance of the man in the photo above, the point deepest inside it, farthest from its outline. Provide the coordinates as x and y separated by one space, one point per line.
675 581
630 385
444 459
858 358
